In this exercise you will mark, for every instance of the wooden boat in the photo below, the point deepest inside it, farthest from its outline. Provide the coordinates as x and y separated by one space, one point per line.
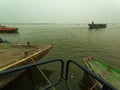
94 26
4 29
103 70
13 55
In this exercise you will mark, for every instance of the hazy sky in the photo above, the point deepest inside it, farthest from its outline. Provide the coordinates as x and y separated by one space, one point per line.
59 11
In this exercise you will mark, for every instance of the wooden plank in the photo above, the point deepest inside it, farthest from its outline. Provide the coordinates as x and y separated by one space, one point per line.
19 55
23 60
104 72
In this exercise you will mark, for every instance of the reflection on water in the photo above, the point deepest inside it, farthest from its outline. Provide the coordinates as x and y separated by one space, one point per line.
39 79
85 83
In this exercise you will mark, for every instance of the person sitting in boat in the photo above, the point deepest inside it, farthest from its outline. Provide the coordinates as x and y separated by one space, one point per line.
92 22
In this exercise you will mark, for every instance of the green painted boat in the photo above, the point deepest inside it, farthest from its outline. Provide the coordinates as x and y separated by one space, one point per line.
104 70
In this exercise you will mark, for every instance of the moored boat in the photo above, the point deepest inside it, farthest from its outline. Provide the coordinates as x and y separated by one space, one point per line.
4 29
13 55
94 26
104 70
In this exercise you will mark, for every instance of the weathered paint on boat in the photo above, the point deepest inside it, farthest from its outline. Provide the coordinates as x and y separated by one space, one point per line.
104 70
15 55
7 29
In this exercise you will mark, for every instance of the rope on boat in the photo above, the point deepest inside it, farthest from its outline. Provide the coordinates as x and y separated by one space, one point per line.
43 74
96 83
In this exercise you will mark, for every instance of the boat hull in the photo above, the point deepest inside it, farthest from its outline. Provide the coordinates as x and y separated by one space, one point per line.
4 29
9 30
103 70
13 55
94 26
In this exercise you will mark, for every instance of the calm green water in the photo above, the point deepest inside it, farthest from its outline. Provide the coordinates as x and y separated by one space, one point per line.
71 41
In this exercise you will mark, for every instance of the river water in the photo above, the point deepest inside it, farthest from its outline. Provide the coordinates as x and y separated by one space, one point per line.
71 41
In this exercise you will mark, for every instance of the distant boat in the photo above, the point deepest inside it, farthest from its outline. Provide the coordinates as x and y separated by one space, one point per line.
92 26
4 29
114 23
104 70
